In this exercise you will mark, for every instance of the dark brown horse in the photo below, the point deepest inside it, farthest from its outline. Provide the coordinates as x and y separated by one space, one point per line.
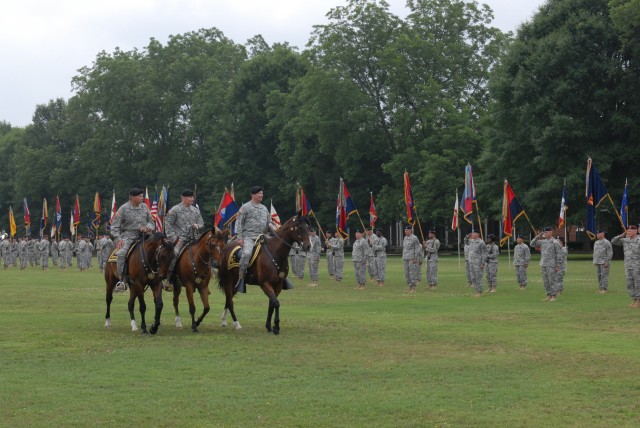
269 270
148 262
193 271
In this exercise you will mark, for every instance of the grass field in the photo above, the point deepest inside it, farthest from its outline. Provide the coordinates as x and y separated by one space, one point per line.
376 357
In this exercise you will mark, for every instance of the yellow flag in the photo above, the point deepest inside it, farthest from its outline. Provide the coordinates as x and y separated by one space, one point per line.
12 223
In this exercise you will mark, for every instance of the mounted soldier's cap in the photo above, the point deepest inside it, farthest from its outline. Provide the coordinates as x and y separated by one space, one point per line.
547 229
136 192
187 192
256 189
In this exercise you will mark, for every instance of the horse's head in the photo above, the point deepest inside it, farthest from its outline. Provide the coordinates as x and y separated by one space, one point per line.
162 253
216 241
298 226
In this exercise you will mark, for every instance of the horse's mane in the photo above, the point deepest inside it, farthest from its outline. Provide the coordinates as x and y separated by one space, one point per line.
156 237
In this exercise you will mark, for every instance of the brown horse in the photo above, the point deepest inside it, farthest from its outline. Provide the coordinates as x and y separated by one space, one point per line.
148 262
269 270
193 271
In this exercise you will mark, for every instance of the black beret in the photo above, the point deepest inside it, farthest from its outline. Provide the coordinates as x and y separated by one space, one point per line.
135 192
368 228
378 230
312 229
600 231
358 230
432 231
329 230
408 227
256 189
633 226
492 237
520 237
187 192
547 229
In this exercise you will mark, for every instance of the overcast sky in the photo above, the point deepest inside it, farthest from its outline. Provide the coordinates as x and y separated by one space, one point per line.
44 42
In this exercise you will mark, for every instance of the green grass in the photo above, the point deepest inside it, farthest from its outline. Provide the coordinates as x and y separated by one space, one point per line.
377 357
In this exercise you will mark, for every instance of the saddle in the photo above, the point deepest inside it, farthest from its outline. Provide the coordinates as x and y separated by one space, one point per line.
114 254
235 255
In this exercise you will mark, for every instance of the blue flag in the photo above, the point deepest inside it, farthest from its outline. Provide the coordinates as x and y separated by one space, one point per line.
594 194
624 208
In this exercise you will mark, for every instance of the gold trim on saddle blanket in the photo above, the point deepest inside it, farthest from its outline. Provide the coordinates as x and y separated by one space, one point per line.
114 254
232 263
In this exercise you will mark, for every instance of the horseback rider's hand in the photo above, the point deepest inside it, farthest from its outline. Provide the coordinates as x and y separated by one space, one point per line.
120 244
195 226
144 229
241 242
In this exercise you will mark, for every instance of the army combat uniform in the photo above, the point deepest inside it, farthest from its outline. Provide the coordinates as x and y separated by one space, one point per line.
411 256
477 260
298 259
179 223
431 248
492 266
370 240
314 257
631 247
335 246
380 254
126 226
359 258
602 255
550 261
43 253
521 259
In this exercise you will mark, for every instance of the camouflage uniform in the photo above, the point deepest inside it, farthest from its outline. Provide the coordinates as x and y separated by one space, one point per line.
81 254
602 255
88 254
431 248
492 265
550 260
179 223
31 252
411 256
5 252
106 247
369 253
380 254
252 221
335 246
126 226
467 266
298 259
359 258
563 268
521 259
43 252
66 253
13 245
55 252
477 260
314 257
631 263
22 253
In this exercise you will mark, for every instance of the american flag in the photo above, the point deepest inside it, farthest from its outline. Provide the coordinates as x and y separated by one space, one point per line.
154 214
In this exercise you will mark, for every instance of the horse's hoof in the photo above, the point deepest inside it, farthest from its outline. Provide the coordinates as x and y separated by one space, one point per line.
107 324
178 322
269 329
223 324
276 332
195 330
144 332
153 329
134 325
237 325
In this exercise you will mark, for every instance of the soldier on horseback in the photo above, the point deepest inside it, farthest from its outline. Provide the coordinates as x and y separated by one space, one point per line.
130 220
253 219
181 222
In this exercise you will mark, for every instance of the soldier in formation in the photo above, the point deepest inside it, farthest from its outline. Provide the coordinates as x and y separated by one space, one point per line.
493 251
550 261
521 259
252 221
467 266
66 252
43 248
314 256
22 253
104 247
359 258
55 252
81 253
298 259
369 252
563 264
5 252
477 260
602 255
380 255
335 247
630 243
327 238
411 256
31 251
182 223
130 220
431 247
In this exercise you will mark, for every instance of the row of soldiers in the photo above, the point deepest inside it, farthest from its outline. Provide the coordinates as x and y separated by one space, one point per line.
36 252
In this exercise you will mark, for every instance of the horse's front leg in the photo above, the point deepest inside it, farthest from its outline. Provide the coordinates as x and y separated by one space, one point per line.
273 304
157 299
276 320
192 306
204 296
228 306
109 299
131 305
176 301
143 309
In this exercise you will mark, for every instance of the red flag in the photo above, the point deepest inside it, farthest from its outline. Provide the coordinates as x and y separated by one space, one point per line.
275 218
408 200
373 215
146 197
511 210
456 210
76 212
27 217
469 194
302 203
227 211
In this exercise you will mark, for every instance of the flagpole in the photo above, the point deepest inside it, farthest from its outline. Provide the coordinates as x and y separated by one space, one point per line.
479 221
419 225
459 262
615 209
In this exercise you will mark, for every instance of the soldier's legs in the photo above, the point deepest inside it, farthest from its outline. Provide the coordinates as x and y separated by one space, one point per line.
314 261
492 275
54 259
636 282
330 263
371 265
45 261
432 272
381 265
338 265
476 277
361 273
603 277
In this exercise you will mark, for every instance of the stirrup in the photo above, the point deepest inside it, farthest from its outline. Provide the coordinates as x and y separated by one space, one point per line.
120 287
240 286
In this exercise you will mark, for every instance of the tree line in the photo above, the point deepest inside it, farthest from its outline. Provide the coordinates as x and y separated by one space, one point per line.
370 96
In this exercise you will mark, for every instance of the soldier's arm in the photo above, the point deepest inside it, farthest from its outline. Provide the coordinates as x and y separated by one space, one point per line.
239 221
437 245
609 253
618 240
